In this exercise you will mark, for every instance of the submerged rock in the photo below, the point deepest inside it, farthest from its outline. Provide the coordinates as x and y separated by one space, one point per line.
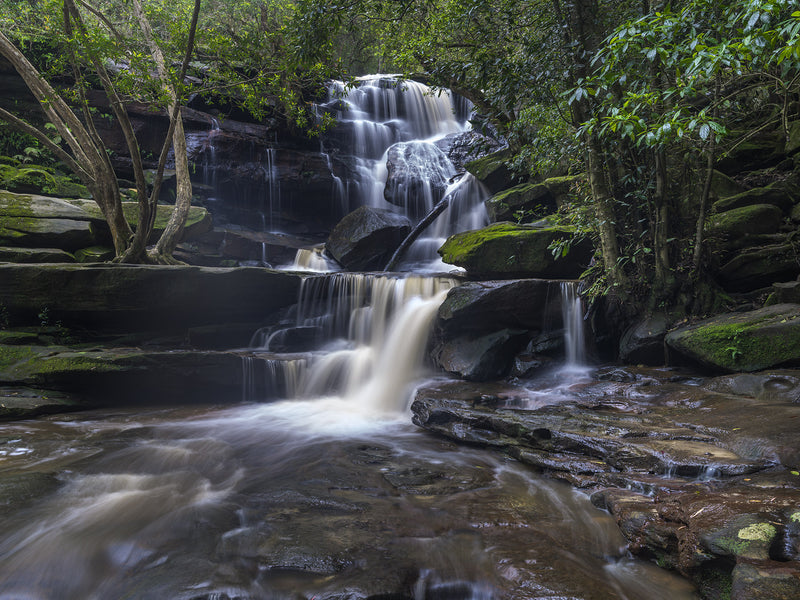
366 238
505 250
748 341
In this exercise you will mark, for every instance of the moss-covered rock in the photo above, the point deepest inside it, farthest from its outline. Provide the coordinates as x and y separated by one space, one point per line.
505 250
524 202
491 170
198 221
746 220
748 341
94 254
723 186
778 194
37 221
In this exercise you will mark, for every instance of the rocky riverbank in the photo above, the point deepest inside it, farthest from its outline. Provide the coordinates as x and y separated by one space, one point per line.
702 474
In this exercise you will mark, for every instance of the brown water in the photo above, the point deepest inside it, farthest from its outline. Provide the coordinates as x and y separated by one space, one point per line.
299 499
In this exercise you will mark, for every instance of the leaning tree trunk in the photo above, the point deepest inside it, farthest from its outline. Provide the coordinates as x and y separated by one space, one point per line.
86 158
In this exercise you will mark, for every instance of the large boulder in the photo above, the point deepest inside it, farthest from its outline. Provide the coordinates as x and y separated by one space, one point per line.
482 326
366 238
778 194
760 267
505 250
643 342
748 341
38 221
485 306
745 220
482 358
417 176
135 298
492 172
198 221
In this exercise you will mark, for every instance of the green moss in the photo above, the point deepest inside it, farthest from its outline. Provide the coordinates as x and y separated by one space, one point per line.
758 218
482 168
510 250
795 517
11 356
760 532
15 204
746 342
94 254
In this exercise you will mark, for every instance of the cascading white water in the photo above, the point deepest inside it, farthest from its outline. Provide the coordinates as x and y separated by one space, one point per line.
404 124
376 329
273 190
572 315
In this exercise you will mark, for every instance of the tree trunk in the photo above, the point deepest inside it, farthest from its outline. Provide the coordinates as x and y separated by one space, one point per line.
89 161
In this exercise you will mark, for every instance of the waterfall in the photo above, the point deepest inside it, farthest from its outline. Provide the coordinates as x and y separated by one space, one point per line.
376 330
396 135
572 315
273 189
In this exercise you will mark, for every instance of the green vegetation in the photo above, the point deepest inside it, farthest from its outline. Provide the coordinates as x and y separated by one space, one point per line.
644 98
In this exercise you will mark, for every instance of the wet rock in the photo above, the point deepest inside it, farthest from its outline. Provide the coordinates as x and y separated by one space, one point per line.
18 490
504 250
25 403
131 298
748 341
35 255
765 580
417 176
769 385
366 238
492 305
643 342
480 358
294 339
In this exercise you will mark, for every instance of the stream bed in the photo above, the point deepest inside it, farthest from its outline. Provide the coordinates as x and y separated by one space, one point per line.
294 499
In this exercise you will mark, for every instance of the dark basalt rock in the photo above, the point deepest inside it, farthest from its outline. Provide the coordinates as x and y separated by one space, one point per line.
760 267
135 298
483 358
366 238
643 342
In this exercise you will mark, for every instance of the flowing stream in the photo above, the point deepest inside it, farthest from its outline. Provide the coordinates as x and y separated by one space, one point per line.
329 492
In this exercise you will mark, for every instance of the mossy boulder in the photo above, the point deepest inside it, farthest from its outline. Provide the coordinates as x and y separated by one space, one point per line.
723 186
505 250
94 254
749 341
522 202
745 220
198 220
778 194
365 239
38 221
492 172
35 255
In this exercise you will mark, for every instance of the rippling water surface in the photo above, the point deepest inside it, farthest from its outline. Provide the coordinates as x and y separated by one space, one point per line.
295 499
